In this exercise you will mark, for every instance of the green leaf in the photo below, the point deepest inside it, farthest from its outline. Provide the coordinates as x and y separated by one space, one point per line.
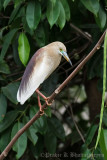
103 142
14 13
7 42
87 154
48 111
32 135
26 27
38 148
52 12
15 52
10 91
99 20
50 141
4 68
56 127
6 2
21 143
21 13
8 119
104 89
91 134
75 137
61 19
23 48
105 117
16 24
92 6
3 106
5 139
31 132
1 4
41 123
17 2
40 36
53 1
66 8
1 32
99 154
105 138
33 14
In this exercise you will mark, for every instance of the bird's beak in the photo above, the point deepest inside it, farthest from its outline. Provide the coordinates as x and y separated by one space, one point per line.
65 55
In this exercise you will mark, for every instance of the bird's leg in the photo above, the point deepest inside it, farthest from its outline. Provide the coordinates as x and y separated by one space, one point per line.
44 97
40 106
41 94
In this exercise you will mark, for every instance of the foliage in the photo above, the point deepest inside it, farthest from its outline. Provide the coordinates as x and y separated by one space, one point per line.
25 27
104 89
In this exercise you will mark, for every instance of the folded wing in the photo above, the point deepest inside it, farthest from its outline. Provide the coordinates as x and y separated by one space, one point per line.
36 72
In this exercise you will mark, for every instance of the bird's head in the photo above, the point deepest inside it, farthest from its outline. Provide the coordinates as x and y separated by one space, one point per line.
62 51
58 48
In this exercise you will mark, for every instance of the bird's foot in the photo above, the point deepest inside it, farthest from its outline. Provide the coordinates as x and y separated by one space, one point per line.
41 112
44 97
47 101
40 106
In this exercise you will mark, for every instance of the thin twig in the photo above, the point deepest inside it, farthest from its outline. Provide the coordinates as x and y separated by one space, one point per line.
81 32
79 132
72 40
17 80
3 16
72 116
14 74
51 98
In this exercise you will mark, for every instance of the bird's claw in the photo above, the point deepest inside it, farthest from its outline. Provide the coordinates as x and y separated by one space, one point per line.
46 100
41 112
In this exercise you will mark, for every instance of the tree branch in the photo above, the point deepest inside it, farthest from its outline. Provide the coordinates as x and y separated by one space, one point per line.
52 97
81 32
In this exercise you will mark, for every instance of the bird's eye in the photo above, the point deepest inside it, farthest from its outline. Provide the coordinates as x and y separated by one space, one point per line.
61 50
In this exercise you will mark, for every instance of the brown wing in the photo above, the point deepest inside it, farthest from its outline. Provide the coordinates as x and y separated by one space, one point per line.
27 78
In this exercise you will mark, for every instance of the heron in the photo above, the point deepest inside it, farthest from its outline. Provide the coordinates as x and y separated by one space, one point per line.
39 68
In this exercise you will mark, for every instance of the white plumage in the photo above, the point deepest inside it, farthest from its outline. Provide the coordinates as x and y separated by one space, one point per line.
41 65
